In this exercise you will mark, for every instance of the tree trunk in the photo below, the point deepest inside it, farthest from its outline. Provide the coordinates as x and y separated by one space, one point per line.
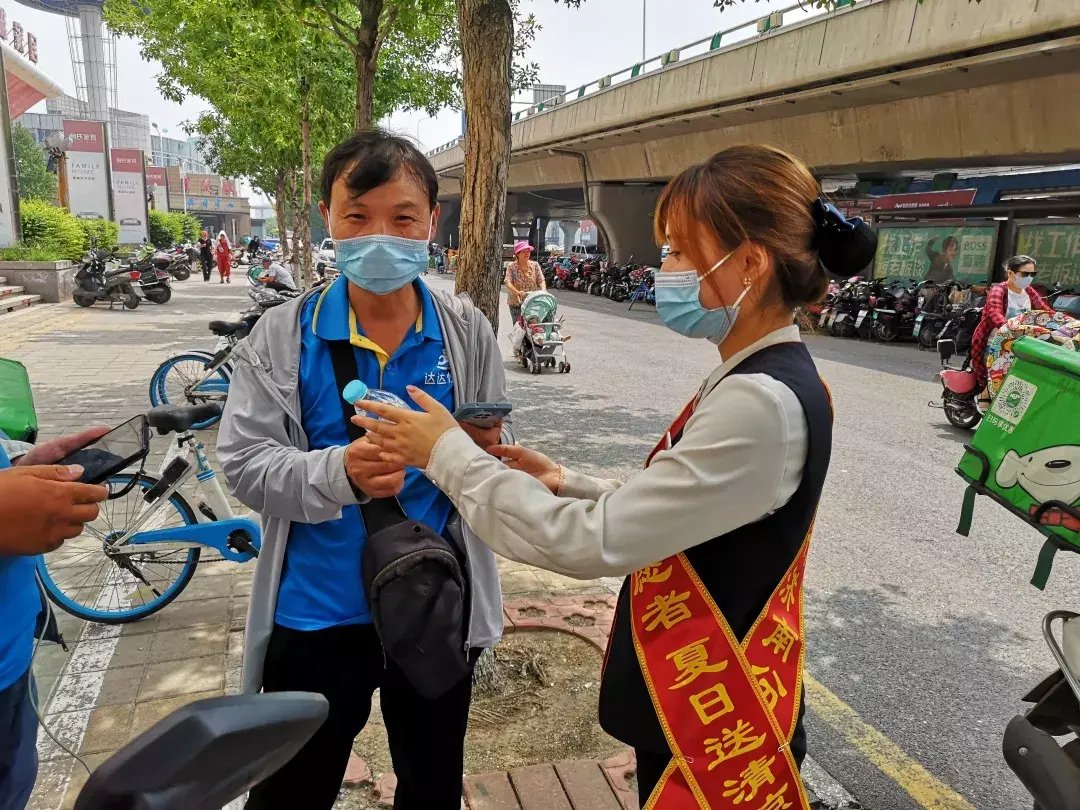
487 39
365 59
279 210
305 208
294 246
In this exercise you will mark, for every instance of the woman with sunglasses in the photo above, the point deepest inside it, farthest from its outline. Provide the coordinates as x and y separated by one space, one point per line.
1006 300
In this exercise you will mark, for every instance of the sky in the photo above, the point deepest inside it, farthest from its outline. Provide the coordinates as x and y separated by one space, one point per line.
573 47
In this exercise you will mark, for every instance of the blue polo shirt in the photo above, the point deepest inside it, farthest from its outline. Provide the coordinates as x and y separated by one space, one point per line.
321 585
20 604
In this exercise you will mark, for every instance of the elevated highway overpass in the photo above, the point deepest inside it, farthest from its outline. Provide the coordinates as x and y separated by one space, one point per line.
869 88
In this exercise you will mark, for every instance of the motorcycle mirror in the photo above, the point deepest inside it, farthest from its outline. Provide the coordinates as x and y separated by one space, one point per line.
206 754
946 349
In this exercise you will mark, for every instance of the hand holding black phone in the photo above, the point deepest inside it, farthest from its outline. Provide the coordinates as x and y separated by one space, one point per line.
117 449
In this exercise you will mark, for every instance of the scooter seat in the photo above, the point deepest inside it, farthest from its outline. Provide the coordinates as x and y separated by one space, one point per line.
224 328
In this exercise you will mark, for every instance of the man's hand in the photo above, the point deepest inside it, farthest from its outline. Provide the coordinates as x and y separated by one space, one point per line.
372 476
52 451
42 506
483 437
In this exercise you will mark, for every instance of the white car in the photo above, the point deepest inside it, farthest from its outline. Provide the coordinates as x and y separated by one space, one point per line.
326 251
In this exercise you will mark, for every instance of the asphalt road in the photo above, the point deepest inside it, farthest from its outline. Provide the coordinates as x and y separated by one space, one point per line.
925 636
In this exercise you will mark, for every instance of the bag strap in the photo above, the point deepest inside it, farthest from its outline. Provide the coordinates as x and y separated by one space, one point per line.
378 513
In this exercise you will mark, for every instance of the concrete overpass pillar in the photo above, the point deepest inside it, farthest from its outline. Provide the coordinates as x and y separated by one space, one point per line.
449 222
625 217
569 231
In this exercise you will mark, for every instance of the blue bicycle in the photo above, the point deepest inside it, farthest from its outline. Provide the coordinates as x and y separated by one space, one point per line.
197 377
142 550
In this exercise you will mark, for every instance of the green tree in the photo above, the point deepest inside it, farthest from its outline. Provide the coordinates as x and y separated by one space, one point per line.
35 180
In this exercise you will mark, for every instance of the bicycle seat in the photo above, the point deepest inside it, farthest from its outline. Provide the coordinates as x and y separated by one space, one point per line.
178 418
223 328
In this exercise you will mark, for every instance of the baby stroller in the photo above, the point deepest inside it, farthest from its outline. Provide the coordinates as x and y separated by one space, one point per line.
537 336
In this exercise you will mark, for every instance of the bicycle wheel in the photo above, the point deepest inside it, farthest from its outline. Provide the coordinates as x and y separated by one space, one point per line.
182 380
82 578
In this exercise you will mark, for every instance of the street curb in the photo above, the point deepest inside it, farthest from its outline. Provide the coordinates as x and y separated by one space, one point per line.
825 793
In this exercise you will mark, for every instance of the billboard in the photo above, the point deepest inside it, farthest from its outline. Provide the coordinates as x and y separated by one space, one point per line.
936 252
157 186
88 184
1056 248
129 194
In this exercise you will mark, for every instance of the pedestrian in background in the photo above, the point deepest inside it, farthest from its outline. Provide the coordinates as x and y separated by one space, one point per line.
523 276
223 252
206 254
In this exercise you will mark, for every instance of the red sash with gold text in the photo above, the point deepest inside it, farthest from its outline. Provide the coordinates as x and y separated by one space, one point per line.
728 710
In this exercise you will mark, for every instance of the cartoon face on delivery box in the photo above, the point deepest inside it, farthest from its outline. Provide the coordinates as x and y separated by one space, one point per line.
1050 474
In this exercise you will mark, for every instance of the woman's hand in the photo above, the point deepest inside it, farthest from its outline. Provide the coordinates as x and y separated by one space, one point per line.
533 462
406 437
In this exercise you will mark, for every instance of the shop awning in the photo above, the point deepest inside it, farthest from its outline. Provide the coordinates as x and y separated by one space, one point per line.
26 85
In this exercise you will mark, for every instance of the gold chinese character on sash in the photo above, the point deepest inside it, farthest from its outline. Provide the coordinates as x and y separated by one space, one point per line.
755 776
772 693
712 704
782 639
787 589
692 661
733 742
666 610
775 801
650 574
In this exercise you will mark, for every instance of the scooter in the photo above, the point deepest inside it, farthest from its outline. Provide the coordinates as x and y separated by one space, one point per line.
960 389
205 754
96 282
1049 770
154 285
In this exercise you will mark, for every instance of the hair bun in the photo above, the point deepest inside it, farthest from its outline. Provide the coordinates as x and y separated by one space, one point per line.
844 246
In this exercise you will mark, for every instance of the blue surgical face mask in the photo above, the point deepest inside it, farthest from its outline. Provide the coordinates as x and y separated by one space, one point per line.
1023 282
678 304
380 263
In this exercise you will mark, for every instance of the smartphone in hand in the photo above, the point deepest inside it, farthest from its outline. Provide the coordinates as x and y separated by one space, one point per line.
483 414
108 455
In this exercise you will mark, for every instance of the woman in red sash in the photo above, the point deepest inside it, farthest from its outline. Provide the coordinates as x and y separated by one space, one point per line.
703 674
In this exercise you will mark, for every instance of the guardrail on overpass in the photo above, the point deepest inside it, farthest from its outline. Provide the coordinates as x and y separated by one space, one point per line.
721 39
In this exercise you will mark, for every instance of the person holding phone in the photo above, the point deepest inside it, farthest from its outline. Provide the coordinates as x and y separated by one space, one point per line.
42 504
284 448
704 665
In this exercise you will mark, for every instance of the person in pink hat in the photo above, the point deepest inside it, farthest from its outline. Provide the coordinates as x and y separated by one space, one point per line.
523 276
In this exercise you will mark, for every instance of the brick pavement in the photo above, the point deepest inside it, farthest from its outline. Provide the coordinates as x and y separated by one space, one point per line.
93 366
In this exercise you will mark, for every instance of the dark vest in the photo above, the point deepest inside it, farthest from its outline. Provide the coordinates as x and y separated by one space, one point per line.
741 568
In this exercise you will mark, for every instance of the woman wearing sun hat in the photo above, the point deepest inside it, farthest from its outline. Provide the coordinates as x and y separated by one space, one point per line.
523 276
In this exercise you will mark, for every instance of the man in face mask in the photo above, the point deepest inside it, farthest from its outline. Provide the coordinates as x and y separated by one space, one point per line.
284 447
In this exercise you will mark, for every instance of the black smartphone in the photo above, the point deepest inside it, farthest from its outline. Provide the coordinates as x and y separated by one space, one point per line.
117 449
483 414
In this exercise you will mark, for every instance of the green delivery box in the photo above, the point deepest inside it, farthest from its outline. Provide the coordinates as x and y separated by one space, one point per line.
18 419
1026 453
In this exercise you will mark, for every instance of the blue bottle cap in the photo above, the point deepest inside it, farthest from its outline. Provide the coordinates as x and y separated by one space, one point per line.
354 391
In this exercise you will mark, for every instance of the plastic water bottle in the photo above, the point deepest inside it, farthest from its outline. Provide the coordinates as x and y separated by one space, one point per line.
357 390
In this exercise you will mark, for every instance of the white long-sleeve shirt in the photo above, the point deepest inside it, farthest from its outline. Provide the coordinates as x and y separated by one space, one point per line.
740 458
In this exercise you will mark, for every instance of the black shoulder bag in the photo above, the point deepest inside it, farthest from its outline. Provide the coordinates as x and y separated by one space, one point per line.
413 580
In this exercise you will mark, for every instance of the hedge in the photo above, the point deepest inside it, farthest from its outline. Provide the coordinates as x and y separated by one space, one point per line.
51 229
168 228
106 231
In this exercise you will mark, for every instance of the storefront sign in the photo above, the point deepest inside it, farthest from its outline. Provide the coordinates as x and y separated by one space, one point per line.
19 38
88 187
957 198
129 195
157 185
936 253
1056 248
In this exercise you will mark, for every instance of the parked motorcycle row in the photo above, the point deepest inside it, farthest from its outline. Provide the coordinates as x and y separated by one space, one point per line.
147 275
627 282
898 309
